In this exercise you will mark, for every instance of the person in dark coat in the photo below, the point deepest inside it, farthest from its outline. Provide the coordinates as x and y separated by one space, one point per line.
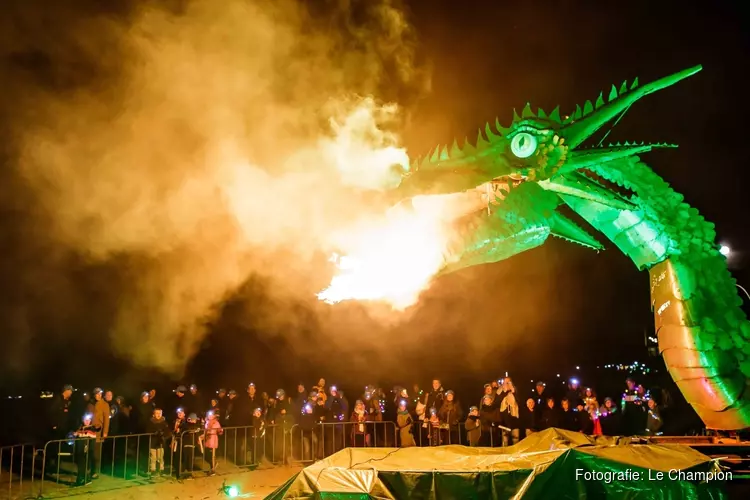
473 427
568 417
307 435
574 395
489 418
258 437
282 420
434 398
61 414
188 443
221 396
300 399
585 423
610 418
252 401
450 414
550 416
180 400
196 403
142 413
338 411
529 420
654 421
540 399
632 410
140 417
229 417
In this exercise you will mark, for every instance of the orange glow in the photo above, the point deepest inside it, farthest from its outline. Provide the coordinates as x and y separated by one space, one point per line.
391 260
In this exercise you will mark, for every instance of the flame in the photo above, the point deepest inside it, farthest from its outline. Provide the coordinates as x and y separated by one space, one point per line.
389 257
392 259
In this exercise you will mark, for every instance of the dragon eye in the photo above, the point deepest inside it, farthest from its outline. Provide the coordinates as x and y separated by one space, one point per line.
523 145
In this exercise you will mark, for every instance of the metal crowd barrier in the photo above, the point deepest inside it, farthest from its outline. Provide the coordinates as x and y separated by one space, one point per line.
80 460
427 434
17 463
324 439
118 461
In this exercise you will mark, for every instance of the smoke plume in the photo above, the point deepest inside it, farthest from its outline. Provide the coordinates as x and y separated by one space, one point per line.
192 146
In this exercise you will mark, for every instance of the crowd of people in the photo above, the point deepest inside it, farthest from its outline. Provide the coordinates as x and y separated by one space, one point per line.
434 417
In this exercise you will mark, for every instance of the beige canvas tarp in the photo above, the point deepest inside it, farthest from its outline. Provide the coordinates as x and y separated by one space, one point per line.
550 464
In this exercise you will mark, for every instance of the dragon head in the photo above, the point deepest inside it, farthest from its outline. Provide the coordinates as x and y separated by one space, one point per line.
526 171
535 147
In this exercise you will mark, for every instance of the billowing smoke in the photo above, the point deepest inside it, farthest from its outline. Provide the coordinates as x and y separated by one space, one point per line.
195 145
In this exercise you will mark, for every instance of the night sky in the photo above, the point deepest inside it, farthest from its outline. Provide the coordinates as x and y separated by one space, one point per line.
542 312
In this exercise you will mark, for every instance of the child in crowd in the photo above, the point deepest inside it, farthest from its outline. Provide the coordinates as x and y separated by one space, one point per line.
211 438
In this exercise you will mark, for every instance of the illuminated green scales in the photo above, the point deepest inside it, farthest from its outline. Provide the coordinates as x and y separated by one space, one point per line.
539 164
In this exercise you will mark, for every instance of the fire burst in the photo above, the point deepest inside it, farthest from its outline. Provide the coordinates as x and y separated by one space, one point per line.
393 257
391 260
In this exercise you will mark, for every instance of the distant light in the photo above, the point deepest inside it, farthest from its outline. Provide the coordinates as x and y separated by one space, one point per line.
558 375
725 250
578 367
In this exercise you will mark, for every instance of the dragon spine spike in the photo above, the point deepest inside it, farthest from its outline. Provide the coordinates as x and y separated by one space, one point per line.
624 87
635 83
527 112
481 142
588 108
455 150
541 114
516 118
599 101
578 113
490 136
435 155
468 148
444 153
555 115
500 128
612 94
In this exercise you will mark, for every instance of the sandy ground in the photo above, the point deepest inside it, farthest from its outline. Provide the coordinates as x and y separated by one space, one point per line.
252 484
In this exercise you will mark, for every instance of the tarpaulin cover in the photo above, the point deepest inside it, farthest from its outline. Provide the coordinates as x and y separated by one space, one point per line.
548 464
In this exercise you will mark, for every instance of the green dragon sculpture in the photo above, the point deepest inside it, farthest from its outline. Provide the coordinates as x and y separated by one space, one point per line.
538 164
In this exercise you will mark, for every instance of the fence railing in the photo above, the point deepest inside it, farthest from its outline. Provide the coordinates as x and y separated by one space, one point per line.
53 469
